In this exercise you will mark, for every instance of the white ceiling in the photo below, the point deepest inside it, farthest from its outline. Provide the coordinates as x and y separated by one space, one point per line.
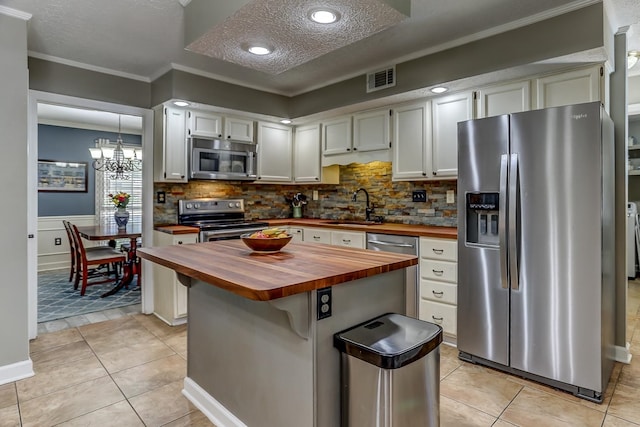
143 39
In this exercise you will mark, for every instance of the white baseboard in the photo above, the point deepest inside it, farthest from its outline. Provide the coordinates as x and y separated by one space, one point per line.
176 322
16 371
210 407
623 354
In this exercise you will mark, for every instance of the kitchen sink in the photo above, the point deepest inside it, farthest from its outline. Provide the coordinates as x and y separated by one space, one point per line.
346 222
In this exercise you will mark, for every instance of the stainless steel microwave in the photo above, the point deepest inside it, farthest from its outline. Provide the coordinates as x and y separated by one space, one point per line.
222 159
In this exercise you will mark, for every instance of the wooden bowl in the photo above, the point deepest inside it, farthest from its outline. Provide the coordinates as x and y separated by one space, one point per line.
273 244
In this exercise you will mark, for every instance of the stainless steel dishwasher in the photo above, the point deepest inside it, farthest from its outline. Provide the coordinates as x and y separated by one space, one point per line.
400 245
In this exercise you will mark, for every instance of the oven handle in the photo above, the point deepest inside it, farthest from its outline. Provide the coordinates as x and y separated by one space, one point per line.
208 236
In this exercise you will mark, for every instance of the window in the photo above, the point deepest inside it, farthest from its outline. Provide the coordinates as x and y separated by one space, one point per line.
106 185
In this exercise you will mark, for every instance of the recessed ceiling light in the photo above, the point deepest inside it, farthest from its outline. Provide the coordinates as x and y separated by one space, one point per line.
180 103
439 89
259 50
285 121
324 16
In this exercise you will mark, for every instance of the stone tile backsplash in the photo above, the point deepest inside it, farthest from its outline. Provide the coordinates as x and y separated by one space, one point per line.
392 200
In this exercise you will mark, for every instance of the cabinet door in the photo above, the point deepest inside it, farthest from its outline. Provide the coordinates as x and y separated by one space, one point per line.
504 99
336 136
274 152
238 129
447 112
371 131
296 232
306 157
180 291
205 124
410 141
573 87
174 153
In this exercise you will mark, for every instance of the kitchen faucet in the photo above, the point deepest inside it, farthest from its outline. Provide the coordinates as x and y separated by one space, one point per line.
368 210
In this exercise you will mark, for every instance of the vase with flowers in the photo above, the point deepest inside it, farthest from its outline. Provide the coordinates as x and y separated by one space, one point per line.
121 200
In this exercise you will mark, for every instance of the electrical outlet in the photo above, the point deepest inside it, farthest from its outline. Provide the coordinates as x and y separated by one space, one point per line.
57 241
161 197
315 195
451 197
419 196
324 302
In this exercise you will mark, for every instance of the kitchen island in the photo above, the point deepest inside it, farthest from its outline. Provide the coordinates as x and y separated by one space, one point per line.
257 353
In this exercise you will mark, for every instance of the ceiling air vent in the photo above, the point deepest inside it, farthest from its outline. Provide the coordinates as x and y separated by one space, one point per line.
381 79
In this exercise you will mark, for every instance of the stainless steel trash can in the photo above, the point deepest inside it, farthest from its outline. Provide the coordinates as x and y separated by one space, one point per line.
390 372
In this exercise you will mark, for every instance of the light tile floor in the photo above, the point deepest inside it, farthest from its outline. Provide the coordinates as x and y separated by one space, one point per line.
128 371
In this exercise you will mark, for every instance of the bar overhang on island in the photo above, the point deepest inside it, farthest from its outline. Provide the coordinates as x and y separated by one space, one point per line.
257 353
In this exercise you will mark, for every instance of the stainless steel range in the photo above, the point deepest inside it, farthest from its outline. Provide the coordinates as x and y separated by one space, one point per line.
218 219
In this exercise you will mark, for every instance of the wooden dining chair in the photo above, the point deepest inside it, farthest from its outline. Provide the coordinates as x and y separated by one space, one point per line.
73 250
89 260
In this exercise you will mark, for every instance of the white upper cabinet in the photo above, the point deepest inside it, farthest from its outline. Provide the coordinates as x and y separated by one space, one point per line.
238 129
170 145
410 143
204 124
211 125
306 154
446 112
371 131
336 136
274 152
503 99
572 87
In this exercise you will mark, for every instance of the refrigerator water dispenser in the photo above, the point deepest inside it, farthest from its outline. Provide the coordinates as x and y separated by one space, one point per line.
482 219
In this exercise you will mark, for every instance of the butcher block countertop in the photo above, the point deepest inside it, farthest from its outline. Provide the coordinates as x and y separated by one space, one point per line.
385 227
177 229
298 267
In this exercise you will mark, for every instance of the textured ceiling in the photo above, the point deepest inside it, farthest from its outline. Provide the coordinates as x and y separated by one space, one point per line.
293 38
145 38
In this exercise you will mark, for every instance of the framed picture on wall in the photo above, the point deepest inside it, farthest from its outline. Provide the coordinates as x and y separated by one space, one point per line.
67 177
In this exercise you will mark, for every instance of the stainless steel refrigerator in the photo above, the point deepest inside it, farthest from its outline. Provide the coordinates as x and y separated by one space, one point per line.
536 246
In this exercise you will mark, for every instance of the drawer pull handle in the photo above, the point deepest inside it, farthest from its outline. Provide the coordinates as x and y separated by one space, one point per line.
437 272
438 251
346 240
179 242
437 319
438 294
316 237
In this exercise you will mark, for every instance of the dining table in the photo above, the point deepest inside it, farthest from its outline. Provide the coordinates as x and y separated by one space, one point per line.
111 232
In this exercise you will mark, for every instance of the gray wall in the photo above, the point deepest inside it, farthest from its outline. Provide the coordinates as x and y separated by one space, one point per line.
71 145
14 86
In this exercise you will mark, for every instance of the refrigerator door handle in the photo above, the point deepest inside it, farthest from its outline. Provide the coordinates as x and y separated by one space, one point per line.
502 220
513 238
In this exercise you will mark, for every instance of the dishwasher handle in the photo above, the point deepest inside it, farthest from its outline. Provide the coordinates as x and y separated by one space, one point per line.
397 245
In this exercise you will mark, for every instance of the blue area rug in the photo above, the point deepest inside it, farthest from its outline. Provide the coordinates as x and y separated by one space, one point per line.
57 299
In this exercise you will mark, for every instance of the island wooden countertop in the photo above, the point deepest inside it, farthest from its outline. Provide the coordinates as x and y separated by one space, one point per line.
384 227
298 267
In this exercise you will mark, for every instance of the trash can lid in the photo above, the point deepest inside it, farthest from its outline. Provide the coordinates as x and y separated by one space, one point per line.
389 341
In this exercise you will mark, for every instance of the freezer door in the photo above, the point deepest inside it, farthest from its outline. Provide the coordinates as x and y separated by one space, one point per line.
483 294
555 294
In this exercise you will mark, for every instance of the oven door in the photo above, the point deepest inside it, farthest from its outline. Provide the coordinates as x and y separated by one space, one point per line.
226 160
212 235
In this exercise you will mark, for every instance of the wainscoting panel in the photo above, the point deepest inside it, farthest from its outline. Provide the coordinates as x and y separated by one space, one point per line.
50 228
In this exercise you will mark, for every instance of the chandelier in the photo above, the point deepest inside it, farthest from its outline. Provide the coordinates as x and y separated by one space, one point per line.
116 160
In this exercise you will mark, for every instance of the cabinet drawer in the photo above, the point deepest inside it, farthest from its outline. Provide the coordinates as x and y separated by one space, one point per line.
439 249
439 291
183 239
316 236
441 314
439 270
345 238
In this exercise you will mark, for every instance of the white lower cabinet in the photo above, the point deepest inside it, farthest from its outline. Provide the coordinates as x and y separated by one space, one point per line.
438 283
316 235
296 232
170 296
351 239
